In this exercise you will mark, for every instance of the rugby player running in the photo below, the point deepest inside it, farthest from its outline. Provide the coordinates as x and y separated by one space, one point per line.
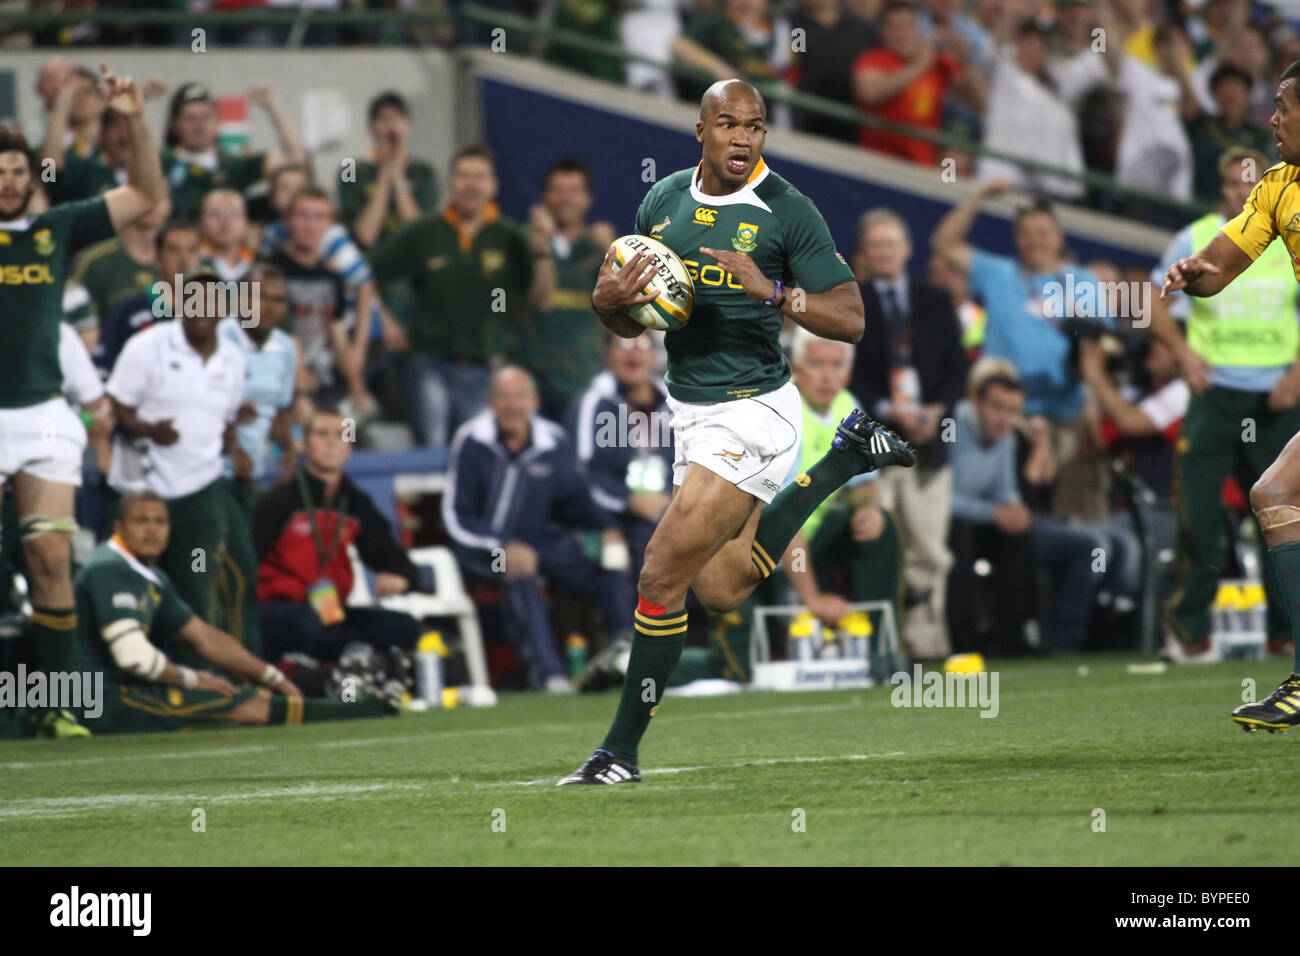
745 235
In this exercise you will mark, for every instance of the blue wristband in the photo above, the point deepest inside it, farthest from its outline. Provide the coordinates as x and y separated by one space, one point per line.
771 300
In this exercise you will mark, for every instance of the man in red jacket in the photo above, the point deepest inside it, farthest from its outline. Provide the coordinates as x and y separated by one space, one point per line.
302 530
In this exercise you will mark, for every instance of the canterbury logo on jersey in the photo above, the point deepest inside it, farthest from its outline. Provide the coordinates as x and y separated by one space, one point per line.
38 273
705 216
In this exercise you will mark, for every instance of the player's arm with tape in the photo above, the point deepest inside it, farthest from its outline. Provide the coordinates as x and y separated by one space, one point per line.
135 654
221 650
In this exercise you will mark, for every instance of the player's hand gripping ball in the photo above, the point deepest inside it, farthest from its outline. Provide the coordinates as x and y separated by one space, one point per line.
671 284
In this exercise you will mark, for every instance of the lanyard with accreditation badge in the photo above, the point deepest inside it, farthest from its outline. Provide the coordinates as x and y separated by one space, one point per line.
323 596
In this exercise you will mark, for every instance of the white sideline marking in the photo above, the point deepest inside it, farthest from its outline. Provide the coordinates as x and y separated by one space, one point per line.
117 758
403 738
760 762
48 807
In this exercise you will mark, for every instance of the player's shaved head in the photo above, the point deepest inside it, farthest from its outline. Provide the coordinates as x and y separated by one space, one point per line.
730 94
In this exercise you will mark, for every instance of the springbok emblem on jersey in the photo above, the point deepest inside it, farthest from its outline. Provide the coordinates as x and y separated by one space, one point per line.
730 455
660 227
746 240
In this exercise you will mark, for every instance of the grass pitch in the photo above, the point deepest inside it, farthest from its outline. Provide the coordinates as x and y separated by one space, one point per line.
724 777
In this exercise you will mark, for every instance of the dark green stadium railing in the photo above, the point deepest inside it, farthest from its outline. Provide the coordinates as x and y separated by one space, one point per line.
543 34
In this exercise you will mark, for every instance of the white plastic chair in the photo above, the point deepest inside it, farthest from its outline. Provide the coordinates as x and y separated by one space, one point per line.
449 599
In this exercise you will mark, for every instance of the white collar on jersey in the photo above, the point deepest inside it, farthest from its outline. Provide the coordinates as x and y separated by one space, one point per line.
745 195
115 543
17 225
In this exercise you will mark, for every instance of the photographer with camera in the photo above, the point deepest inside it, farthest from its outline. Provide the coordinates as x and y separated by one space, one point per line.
1239 357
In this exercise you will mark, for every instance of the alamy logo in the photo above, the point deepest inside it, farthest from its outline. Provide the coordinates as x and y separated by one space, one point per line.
73 690
133 910
948 689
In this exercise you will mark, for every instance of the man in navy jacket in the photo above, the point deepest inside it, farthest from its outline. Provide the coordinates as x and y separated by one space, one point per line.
515 498
625 446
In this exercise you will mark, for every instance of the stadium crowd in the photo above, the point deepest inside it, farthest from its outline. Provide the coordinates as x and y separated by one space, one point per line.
1148 92
395 309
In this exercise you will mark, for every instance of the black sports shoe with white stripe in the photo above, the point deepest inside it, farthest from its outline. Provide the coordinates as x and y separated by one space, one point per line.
602 767
1279 711
873 441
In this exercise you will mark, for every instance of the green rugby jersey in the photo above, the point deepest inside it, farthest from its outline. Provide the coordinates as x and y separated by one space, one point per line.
191 181
34 256
731 346
355 195
109 274
111 586
562 346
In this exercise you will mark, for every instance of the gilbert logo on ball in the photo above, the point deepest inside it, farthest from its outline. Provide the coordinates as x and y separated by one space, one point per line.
670 284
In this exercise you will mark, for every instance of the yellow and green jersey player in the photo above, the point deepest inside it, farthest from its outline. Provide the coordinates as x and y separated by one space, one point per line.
745 234
1271 213
127 606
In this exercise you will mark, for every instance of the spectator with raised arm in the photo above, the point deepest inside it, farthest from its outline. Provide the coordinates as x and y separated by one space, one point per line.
194 163
1025 301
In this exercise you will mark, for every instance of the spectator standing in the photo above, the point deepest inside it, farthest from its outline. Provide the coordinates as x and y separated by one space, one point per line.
194 164
1228 126
561 345
223 226
515 505
391 188
177 254
472 271
743 39
833 39
908 373
123 265
331 335
302 531
176 391
270 369
905 81
1239 357
1028 118
1024 299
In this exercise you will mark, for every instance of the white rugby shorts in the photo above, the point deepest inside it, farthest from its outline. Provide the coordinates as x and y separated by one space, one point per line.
45 441
751 442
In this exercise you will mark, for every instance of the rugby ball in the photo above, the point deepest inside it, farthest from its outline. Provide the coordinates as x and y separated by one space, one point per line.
671 284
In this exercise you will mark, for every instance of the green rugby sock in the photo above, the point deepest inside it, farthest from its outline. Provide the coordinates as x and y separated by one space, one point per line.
299 710
656 649
793 505
1286 562
52 631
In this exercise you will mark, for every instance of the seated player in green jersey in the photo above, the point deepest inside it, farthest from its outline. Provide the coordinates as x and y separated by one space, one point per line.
744 233
123 598
43 439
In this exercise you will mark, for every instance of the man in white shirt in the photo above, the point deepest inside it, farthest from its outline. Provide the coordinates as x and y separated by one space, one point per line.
176 391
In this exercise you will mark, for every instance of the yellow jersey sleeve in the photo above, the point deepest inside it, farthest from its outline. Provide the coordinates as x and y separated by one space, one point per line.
1256 225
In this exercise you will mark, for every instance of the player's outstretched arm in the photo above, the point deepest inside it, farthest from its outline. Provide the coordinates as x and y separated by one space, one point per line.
1209 271
220 649
145 186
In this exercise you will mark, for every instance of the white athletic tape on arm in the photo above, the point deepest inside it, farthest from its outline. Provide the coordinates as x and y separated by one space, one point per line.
132 650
